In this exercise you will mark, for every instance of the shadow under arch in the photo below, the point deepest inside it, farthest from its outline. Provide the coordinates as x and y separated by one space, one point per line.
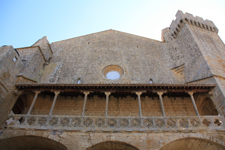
20 105
192 144
112 145
30 142
206 106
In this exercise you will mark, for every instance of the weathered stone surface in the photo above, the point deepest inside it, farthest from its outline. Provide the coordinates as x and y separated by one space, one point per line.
191 52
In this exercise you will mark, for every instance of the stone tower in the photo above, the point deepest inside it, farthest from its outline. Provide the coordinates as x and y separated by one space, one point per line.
114 90
200 49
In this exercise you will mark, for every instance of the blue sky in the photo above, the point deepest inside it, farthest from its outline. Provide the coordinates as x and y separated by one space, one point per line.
23 22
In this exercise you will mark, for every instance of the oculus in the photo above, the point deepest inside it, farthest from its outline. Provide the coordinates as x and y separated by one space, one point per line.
112 72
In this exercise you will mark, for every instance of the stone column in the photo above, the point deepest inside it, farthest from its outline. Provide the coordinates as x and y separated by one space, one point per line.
53 103
107 103
161 102
34 100
193 102
139 102
85 101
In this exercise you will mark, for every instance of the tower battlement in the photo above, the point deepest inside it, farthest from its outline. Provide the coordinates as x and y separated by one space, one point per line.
187 18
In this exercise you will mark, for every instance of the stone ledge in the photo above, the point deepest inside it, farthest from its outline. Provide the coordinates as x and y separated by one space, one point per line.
23 79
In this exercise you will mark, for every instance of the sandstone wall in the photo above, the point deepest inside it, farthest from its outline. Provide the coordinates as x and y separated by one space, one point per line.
85 57
142 141
10 67
33 62
43 43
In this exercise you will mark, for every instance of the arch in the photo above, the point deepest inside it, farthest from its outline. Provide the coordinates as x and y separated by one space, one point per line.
30 142
18 107
192 144
21 103
112 145
206 106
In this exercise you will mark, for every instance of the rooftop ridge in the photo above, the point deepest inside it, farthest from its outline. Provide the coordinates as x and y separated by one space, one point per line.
108 31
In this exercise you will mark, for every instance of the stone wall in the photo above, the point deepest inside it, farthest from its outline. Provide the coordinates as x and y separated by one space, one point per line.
195 66
85 57
33 62
142 141
43 43
11 65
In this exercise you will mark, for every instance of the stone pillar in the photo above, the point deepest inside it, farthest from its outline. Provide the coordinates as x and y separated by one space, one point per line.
161 102
139 102
85 101
193 102
107 102
34 100
53 103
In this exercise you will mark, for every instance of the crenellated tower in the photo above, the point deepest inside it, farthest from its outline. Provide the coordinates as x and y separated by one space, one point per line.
201 53
114 90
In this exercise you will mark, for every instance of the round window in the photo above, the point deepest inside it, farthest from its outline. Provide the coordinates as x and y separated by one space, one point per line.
112 72
112 75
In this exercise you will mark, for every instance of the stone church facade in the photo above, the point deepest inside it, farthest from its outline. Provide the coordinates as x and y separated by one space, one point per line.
164 95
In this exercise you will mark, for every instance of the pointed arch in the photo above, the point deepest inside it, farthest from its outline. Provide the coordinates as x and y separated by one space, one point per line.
22 103
205 105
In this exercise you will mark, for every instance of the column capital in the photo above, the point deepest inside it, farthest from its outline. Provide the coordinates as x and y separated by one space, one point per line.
160 93
107 93
37 92
191 93
86 93
57 92
138 93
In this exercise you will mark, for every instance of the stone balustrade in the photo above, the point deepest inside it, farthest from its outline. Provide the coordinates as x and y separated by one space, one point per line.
109 123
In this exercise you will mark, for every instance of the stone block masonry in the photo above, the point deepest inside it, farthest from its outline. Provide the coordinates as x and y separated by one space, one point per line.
164 98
